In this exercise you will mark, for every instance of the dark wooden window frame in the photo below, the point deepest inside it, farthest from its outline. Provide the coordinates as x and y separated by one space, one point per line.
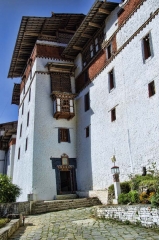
86 102
113 114
147 47
151 89
111 79
109 51
64 135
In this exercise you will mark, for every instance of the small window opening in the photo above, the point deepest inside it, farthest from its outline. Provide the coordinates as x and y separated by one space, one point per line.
87 102
19 153
28 119
109 52
87 131
151 88
26 144
146 43
111 80
113 114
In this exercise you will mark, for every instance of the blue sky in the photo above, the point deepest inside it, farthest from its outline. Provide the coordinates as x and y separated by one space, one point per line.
11 12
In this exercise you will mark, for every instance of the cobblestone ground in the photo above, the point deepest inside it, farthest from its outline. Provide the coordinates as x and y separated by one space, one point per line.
79 224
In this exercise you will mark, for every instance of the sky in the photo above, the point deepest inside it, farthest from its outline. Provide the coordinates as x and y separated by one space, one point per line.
11 12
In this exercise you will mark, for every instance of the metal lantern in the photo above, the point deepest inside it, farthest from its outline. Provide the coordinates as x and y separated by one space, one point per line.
115 170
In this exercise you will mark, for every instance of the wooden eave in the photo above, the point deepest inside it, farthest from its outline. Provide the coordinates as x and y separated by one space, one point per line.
9 129
16 94
92 22
39 28
61 67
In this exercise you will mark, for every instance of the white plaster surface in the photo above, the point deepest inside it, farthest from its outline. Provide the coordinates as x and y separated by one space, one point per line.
133 136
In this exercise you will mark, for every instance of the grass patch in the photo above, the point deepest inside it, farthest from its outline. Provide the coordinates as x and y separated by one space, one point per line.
3 222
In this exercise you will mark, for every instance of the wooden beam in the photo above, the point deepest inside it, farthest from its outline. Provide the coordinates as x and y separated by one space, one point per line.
101 10
31 34
67 56
77 48
94 25
67 31
86 35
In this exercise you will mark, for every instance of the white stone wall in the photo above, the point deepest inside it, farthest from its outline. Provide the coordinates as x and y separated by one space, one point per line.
2 156
23 175
10 160
133 136
46 139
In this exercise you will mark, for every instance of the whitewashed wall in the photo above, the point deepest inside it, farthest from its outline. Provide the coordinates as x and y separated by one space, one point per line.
133 136
23 175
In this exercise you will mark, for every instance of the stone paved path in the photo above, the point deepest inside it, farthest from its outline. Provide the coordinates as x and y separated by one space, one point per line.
78 224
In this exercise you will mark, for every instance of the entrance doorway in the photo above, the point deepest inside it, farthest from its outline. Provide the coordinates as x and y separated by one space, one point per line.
66 183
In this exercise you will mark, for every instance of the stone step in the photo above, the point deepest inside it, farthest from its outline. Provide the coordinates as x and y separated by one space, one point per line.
58 205
66 196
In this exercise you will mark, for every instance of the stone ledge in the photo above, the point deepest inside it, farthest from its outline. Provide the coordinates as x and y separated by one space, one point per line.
9 229
143 214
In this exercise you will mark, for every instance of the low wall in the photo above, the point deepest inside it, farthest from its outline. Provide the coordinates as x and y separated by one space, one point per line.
102 195
14 208
143 214
9 229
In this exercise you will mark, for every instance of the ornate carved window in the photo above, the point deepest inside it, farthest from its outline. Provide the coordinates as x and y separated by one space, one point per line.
63 135
60 82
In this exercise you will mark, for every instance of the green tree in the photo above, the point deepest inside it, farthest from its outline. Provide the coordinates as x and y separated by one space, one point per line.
8 191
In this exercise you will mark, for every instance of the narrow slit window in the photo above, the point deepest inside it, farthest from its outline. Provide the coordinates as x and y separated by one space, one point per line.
109 51
28 119
151 88
111 80
29 94
113 114
146 46
19 153
87 132
26 144
20 130
22 108
86 102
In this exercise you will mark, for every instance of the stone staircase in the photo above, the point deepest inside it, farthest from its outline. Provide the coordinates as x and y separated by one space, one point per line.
58 205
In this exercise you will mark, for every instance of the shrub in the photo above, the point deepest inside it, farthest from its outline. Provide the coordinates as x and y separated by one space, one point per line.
8 191
155 200
133 196
137 179
150 184
123 198
125 187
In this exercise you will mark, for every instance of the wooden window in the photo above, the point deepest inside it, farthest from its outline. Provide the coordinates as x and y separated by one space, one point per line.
65 105
26 144
60 82
113 114
109 51
63 135
20 130
92 50
111 80
86 102
19 153
146 47
28 119
151 88
96 45
87 131
29 94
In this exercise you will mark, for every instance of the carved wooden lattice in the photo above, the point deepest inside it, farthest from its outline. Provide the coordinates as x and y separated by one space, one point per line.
65 105
60 82
93 48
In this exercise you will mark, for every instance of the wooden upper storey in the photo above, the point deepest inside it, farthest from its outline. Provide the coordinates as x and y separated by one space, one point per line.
6 132
57 28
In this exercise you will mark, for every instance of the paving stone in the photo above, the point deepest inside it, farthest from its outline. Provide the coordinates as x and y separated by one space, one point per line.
79 225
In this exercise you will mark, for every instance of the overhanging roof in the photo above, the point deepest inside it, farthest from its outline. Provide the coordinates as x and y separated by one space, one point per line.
16 94
39 28
6 131
92 22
